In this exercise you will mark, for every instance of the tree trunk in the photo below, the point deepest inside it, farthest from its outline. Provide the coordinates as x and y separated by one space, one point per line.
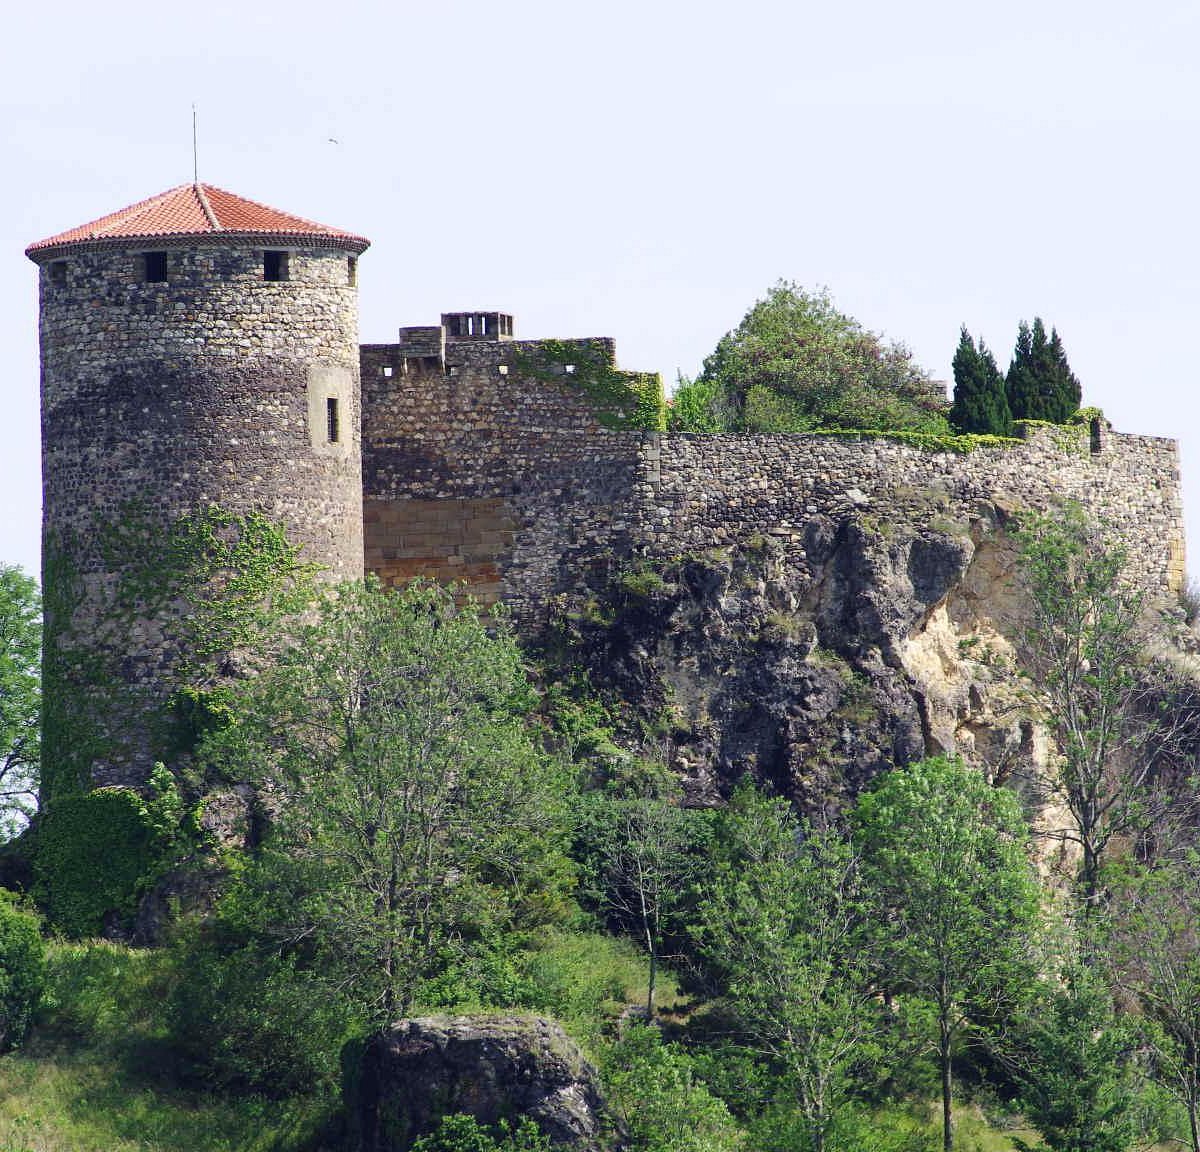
944 1038
1193 1120
653 980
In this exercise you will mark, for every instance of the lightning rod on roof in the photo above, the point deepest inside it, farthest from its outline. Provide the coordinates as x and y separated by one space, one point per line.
195 151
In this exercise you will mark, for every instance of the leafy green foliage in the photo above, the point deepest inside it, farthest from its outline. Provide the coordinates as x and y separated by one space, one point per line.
1150 947
22 969
20 698
413 815
245 1018
662 1104
96 1075
782 923
797 364
98 851
620 399
980 404
1076 1086
945 858
1040 384
693 407
1084 642
212 581
461 1133
640 849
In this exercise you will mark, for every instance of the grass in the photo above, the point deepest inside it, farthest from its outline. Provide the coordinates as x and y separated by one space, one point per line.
96 1075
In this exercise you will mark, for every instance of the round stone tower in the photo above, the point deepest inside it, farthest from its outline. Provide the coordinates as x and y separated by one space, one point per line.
199 360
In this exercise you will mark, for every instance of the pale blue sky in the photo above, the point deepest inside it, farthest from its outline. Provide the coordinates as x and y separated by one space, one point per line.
647 170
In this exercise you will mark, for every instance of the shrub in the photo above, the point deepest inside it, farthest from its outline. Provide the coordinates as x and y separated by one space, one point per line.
663 1104
22 969
92 851
461 1133
97 852
247 1019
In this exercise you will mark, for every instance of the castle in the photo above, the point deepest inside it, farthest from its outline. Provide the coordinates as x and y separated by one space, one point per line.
200 349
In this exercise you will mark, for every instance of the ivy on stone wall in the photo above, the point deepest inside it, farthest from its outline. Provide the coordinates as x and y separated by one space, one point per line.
198 595
97 852
137 667
199 590
620 399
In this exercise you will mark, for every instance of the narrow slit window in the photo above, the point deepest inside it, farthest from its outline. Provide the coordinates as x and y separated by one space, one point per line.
155 269
331 420
275 266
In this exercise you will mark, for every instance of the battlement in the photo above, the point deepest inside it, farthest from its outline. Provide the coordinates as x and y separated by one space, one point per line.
477 325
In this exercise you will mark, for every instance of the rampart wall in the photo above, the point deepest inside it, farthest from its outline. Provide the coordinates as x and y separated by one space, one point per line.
477 471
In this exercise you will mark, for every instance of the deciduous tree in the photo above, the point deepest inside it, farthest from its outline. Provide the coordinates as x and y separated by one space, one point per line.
1107 707
411 810
782 923
640 848
944 857
796 363
20 698
1151 951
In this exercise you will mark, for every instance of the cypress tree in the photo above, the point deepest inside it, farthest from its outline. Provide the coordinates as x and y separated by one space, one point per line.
1040 384
980 404
1020 386
1062 387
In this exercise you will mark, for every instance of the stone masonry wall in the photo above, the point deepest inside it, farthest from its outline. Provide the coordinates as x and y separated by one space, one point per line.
474 470
479 473
698 492
196 390
211 387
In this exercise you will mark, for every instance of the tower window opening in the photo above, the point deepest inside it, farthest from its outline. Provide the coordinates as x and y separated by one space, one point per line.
275 266
386 370
58 272
352 270
154 270
331 420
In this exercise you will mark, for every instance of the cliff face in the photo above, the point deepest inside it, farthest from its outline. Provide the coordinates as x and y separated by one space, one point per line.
815 664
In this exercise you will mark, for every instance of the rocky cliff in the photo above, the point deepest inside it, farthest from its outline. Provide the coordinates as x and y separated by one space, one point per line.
814 664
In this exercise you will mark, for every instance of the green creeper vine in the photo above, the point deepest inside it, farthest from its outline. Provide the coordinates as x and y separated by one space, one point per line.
200 589
620 399
928 441
98 851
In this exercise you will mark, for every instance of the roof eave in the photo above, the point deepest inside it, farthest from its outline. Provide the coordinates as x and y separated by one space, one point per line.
47 250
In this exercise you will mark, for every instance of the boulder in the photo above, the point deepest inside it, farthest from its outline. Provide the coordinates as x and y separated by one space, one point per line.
490 1067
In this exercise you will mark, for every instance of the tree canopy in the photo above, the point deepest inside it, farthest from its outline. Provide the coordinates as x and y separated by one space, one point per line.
411 809
1040 384
980 404
944 856
795 364
20 697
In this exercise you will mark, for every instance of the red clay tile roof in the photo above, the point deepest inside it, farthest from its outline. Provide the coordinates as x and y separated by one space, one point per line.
197 211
